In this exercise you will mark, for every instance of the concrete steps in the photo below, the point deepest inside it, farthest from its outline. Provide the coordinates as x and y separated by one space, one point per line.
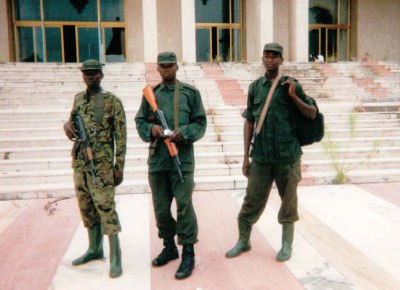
35 101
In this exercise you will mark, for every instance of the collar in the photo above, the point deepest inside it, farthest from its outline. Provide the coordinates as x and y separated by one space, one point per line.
266 80
170 87
87 95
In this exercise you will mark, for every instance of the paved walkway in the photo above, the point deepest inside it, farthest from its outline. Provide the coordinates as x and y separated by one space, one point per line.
347 238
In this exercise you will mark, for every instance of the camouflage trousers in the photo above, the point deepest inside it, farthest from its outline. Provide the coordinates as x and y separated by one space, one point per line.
96 202
260 179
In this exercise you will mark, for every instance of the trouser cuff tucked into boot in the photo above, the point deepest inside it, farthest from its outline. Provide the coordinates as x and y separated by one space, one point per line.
169 253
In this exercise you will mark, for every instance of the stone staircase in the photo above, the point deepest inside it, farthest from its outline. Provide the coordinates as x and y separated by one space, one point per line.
35 100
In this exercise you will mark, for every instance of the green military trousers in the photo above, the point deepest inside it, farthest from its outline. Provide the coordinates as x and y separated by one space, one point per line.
166 185
260 179
96 203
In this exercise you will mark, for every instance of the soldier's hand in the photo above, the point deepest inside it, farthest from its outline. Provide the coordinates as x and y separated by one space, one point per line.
157 132
292 88
176 137
245 167
118 178
70 131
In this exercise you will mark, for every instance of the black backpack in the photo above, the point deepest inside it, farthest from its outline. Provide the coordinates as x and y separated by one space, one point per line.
310 131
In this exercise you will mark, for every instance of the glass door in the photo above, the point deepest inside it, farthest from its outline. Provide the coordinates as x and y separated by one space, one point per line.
69 31
218 30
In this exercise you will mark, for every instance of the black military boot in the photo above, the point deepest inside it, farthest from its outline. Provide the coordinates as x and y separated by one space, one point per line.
95 250
187 265
169 253
287 240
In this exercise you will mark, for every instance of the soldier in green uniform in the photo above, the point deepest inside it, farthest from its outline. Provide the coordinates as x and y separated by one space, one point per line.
275 154
186 118
104 119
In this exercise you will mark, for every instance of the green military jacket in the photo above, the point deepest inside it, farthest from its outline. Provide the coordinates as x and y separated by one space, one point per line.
277 141
192 125
105 139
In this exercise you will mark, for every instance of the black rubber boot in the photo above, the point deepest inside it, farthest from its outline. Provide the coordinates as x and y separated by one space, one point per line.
169 253
187 265
287 240
95 250
115 257
243 244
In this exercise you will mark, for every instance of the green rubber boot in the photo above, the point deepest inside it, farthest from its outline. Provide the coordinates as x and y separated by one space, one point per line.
287 240
115 257
95 250
243 244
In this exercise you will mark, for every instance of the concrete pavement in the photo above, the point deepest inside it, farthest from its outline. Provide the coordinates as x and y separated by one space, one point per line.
347 238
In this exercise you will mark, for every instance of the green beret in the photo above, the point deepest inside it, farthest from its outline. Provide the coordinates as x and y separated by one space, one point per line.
166 57
91 64
276 47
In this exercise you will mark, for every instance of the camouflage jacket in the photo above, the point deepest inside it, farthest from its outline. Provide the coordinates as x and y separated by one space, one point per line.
106 139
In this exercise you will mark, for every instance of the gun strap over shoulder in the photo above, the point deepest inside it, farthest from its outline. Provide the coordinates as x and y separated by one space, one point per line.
176 105
267 102
98 109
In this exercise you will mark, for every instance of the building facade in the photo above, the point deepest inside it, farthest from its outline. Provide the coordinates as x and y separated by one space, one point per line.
197 30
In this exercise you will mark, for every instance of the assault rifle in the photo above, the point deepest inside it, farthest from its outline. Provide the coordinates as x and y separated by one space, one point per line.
80 126
173 151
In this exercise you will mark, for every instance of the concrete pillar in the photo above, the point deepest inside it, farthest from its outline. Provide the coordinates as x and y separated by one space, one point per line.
188 31
266 22
299 30
4 39
150 30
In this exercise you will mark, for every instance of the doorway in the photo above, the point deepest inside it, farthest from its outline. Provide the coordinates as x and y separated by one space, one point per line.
69 43
329 29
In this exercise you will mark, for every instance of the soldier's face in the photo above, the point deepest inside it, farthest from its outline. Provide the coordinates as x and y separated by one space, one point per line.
167 71
271 60
92 78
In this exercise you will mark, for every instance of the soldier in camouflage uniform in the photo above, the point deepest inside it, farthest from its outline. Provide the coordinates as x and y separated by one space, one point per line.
104 119
276 151
165 181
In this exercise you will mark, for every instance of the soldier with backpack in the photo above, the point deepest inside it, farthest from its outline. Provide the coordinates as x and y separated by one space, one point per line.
274 103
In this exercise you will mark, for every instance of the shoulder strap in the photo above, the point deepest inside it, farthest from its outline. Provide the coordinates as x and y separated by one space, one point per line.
176 105
268 100
98 109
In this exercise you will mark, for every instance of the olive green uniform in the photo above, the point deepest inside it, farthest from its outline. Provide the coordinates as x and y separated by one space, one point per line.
96 202
164 179
275 155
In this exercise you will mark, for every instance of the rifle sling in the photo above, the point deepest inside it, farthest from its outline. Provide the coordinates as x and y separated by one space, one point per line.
176 105
98 109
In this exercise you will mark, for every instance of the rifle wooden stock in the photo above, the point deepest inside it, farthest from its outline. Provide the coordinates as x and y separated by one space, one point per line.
150 97
173 151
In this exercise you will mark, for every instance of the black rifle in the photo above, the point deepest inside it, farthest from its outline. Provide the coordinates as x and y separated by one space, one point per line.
80 126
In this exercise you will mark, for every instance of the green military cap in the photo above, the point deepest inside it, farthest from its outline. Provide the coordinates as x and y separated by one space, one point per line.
166 57
91 64
273 46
